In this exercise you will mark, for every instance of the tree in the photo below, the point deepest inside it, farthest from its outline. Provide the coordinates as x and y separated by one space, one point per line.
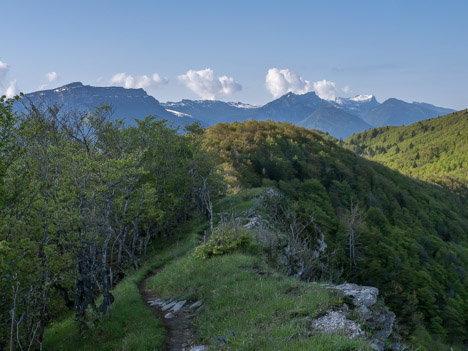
353 221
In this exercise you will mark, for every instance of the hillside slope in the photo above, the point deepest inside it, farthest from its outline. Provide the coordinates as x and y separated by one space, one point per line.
394 112
380 228
335 121
434 150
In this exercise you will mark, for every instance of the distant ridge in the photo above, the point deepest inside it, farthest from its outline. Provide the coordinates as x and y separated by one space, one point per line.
328 117
434 150
127 104
340 117
348 115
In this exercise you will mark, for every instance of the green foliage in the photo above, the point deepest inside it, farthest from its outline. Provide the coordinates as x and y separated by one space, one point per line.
84 197
434 150
223 240
412 241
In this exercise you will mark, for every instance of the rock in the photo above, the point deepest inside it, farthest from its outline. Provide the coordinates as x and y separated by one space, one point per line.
195 305
382 321
378 345
399 346
361 295
336 322
168 305
157 302
169 315
178 306
364 313
200 348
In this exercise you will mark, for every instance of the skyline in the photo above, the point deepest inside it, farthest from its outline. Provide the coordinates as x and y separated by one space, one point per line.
249 52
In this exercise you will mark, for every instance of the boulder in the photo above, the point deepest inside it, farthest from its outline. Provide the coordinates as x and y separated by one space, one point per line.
360 295
336 322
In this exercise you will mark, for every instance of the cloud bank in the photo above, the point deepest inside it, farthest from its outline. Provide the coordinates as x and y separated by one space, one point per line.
143 82
281 81
205 84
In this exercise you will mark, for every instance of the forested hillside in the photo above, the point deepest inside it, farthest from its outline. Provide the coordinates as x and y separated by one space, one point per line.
434 150
380 227
81 199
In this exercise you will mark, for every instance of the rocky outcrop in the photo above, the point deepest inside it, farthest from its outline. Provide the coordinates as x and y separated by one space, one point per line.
360 310
336 322
360 313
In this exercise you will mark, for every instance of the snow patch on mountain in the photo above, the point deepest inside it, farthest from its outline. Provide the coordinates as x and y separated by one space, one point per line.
362 98
178 114
241 105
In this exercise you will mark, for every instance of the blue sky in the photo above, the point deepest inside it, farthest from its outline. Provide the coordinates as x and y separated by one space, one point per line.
411 50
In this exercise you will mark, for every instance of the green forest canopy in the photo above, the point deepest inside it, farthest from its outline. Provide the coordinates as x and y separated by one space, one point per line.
434 150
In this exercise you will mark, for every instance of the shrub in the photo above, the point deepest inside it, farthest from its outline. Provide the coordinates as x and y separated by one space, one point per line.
224 240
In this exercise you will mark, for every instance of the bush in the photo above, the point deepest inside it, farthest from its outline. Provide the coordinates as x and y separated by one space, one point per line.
224 240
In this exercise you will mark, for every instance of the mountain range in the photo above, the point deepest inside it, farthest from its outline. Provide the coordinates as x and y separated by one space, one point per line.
340 117
126 104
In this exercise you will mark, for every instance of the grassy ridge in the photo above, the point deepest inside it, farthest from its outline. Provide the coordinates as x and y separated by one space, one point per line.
266 310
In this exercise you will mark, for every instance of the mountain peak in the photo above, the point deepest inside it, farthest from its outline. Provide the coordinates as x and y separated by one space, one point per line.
69 86
72 85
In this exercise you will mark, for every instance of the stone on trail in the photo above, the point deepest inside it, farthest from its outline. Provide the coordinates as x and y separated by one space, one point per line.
178 306
167 306
196 304
200 348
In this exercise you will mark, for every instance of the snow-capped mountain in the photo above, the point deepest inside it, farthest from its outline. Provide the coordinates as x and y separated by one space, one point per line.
290 107
358 105
340 117
127 104
348 115
211 111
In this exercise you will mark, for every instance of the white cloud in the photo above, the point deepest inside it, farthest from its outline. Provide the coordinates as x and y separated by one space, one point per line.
11 90
144 82
52 77
346 89
205 84
281 81
3 71
325 89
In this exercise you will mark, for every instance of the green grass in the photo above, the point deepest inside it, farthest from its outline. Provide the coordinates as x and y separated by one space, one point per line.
131 325
238 203
266 310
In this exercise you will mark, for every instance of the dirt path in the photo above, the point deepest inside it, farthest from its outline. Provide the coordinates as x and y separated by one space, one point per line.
180 336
